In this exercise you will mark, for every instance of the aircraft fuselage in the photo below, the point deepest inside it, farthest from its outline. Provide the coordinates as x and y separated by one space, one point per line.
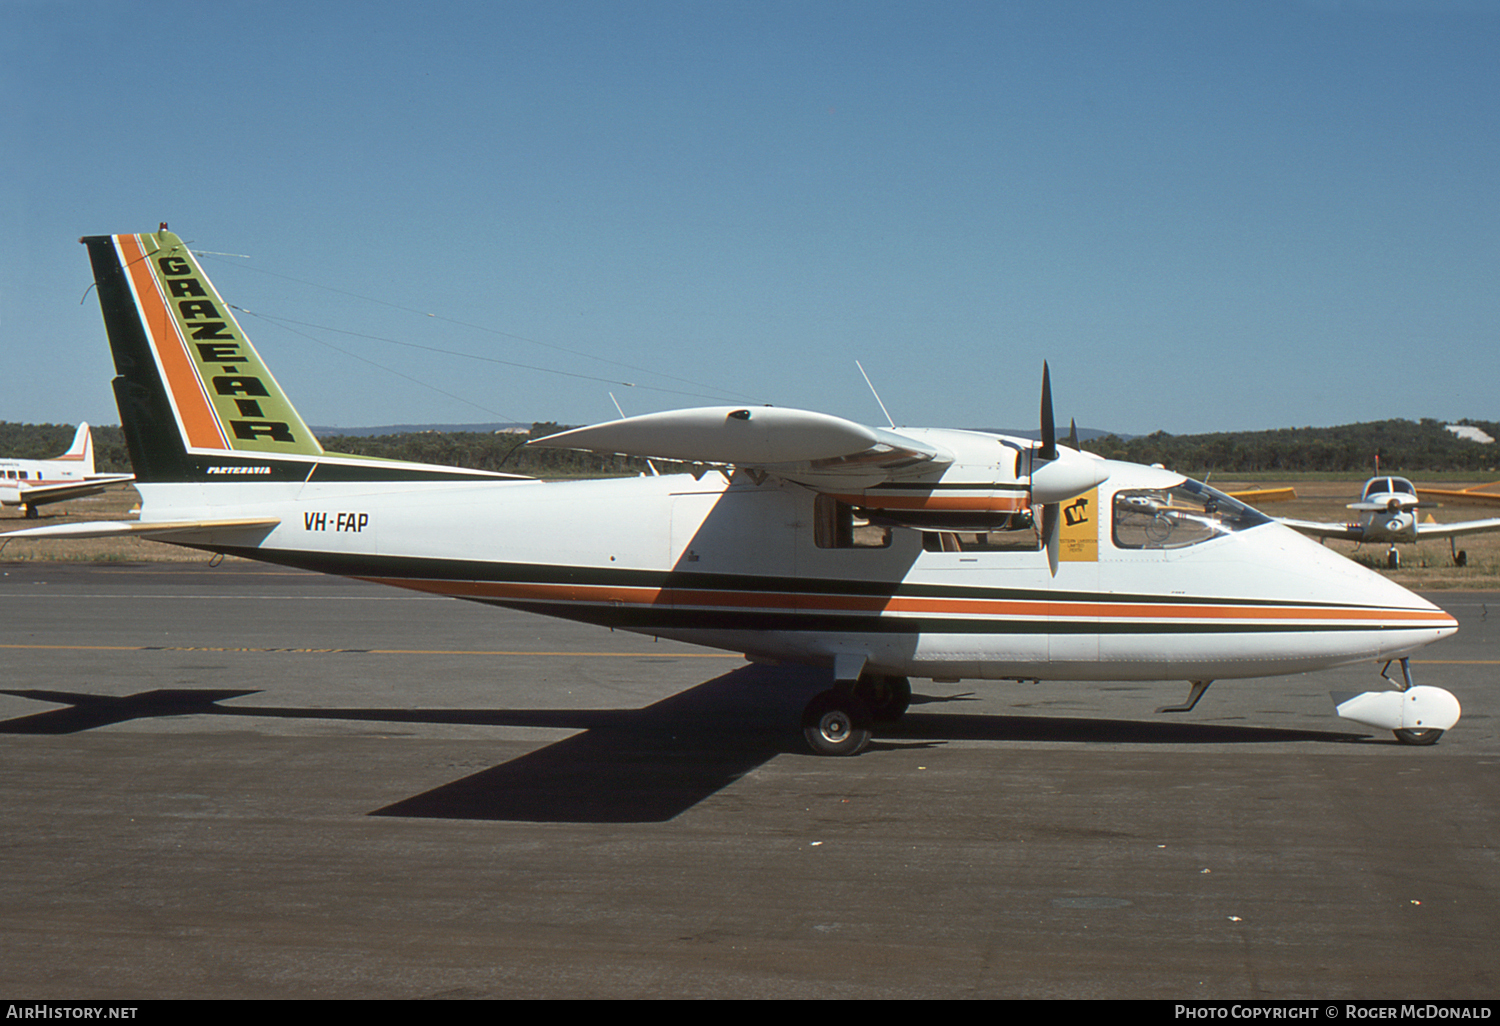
745 567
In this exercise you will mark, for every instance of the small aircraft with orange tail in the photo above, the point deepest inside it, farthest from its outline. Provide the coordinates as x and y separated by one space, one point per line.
878 554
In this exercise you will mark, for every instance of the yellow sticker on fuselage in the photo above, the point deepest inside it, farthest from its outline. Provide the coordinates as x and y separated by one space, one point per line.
1078 529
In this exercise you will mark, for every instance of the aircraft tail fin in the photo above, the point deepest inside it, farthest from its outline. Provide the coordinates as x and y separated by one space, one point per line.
195 397
197 403
82 450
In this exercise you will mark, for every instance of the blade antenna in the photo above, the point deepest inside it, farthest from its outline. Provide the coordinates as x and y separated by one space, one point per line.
876 394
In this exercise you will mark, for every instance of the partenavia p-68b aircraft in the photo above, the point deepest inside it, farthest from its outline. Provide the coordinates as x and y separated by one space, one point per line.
879 554
34 483
1387 509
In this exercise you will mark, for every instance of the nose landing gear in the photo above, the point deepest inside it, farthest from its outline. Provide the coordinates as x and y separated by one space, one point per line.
1416 714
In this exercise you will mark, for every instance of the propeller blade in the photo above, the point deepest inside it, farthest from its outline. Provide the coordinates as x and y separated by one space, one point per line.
1072 434
1051 514
1049 429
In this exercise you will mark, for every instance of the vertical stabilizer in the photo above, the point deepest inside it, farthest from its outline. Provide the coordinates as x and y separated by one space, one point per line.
195 398
82 450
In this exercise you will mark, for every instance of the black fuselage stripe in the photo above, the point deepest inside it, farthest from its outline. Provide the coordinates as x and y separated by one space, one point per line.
419 568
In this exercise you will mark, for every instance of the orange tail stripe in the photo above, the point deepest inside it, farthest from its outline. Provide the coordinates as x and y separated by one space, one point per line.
194 410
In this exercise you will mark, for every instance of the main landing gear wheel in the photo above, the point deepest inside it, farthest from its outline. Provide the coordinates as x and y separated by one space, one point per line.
886 697
836 723
1393 559
1418 736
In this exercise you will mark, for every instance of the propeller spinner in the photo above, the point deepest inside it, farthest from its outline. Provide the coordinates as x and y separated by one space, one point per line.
1058 473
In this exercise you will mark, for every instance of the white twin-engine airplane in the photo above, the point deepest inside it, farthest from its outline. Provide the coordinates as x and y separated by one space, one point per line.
1387 511
32 484
878 554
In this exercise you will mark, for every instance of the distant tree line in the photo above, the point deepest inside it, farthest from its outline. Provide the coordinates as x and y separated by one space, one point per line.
1404 447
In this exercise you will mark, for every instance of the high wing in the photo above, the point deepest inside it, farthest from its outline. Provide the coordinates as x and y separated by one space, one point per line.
782 440
932 478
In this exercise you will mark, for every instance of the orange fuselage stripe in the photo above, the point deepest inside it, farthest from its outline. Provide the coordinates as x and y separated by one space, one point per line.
1012 608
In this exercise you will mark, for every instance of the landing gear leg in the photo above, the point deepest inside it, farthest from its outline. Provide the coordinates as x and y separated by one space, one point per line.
1460 557
1199 686
1411 735
1393 559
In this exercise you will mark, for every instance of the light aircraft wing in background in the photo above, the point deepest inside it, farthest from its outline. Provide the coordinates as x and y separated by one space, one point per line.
1480 495
1261 496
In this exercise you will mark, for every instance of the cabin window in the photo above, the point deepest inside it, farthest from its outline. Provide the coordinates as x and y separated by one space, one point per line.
835 526
1174 518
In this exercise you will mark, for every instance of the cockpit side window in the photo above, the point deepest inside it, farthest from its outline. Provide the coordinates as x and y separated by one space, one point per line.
1174 518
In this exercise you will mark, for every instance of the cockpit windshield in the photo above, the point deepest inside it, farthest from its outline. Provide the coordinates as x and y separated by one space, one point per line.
1389 486
1173 518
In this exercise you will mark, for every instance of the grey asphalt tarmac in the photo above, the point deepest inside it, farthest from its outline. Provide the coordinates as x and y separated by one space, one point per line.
244 782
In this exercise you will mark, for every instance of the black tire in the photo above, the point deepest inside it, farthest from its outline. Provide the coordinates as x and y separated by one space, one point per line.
1462 559
887 698
1393 560
835 723
1418 736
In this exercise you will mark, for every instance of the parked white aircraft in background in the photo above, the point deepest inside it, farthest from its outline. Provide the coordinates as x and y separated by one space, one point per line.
1387 511
879 554
35 483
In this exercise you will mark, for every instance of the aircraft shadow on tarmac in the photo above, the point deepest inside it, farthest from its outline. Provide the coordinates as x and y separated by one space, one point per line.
650 764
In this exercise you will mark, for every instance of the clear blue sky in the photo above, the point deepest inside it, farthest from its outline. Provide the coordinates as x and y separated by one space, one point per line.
1206 216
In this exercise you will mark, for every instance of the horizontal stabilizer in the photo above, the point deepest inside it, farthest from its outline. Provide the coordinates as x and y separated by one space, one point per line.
758 436
40 495
122 528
